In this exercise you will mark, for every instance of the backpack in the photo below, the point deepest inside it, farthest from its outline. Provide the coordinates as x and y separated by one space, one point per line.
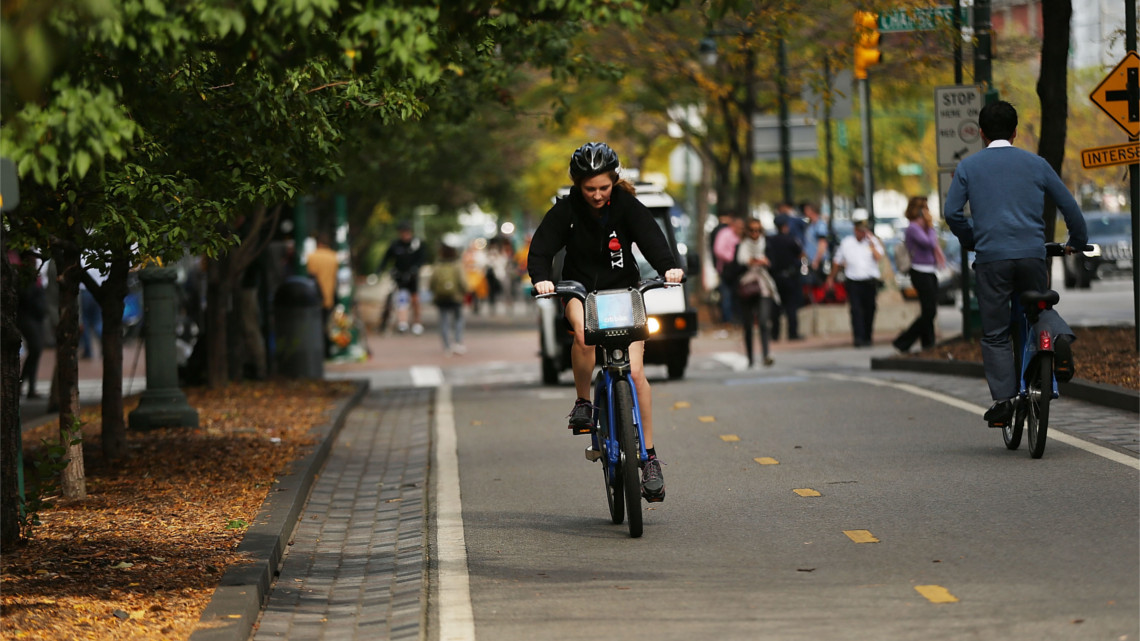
902 258
445 284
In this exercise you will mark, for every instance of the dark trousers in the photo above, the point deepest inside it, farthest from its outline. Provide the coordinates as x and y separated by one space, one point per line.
861 297
791 299
32 331
926 284
998 283
758 310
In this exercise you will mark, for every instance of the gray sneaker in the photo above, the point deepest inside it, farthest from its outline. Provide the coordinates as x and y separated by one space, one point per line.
652 481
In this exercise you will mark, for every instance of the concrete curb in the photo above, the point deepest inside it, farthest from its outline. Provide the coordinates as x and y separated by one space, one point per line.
1107 395
244 588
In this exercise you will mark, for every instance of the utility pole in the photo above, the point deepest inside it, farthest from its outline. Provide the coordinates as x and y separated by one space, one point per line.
785 135
867 54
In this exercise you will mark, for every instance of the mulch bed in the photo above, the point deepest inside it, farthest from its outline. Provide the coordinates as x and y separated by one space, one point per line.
140 557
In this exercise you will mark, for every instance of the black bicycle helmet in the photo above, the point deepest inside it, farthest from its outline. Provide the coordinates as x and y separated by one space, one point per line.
591 159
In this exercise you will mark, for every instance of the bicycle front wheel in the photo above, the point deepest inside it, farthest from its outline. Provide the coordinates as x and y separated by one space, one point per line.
630 454
615 496
1037 405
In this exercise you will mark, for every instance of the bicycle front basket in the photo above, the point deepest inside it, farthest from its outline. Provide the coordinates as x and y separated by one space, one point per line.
615 313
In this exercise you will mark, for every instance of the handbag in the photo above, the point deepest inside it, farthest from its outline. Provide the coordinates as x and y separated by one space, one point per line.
749 288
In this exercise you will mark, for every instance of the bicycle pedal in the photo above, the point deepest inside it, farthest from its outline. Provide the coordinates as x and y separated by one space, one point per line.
576 430
653 498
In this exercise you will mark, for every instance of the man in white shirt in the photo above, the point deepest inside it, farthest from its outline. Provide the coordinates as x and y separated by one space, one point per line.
858 257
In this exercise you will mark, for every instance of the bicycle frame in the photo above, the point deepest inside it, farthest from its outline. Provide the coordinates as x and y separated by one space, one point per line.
613 370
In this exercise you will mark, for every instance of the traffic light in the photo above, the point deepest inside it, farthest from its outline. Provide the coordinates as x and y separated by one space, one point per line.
866 42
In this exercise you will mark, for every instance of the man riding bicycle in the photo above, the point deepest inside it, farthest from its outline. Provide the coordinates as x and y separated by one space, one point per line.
406 254
598 226
1006 188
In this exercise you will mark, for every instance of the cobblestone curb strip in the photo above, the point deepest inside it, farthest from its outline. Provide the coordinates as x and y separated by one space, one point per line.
237 601
1106 395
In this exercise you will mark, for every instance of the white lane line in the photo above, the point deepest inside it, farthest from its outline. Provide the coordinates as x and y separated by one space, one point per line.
426 376
1054 434
456 617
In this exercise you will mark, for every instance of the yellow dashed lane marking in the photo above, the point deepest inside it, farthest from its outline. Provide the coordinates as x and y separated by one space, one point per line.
707 419
936 594
766 460
729 438
861 536
680 405
807 492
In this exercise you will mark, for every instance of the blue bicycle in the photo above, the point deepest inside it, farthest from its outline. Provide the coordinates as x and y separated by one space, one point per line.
615 318
1034 356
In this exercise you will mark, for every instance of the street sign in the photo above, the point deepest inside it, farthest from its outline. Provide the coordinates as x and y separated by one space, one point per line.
1118 94
900 20
956 111
842 88
1125 154
802 139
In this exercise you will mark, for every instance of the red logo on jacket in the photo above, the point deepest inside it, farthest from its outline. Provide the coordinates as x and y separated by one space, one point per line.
615 245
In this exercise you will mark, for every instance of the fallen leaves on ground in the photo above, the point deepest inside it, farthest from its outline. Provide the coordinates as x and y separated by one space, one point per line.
1102 355
141 556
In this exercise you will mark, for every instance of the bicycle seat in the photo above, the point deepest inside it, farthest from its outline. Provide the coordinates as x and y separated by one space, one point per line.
1039 300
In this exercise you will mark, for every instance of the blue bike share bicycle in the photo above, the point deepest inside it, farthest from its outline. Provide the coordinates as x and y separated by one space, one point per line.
1034 351
615 318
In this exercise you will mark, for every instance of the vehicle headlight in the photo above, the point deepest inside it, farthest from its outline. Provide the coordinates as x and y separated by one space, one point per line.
654 325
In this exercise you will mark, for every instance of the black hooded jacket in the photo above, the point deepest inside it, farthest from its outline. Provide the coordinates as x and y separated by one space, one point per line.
598 242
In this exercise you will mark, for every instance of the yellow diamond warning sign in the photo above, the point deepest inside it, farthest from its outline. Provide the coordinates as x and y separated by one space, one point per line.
1118 95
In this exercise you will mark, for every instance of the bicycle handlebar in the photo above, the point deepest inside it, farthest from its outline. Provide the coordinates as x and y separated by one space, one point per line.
1058 249
578 290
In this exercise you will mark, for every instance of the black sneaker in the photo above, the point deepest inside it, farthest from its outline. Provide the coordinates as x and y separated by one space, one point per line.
999 414
582 417
1063 367
652 482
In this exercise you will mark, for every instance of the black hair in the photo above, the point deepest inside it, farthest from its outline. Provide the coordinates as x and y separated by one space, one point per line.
998 120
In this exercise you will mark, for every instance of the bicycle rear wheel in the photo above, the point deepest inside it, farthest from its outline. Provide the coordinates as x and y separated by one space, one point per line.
615 496
1037 405
630 454
1011 433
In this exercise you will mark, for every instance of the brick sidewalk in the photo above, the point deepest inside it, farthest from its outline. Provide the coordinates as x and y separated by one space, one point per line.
354 571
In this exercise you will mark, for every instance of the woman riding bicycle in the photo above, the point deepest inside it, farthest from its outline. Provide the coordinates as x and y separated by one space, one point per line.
598 225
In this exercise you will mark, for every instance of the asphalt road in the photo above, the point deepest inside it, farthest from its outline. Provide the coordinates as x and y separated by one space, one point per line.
924 527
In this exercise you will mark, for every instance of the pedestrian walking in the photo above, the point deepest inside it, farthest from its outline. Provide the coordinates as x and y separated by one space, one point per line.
448 287
727 269
31 312
921 244
858 258
757 291
322 265
785 256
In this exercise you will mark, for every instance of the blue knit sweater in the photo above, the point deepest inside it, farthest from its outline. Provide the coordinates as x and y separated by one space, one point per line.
1005 187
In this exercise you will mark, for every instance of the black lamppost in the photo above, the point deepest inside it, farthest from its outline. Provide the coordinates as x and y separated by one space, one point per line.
708 56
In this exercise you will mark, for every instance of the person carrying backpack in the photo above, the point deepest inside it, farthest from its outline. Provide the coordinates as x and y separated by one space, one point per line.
448 287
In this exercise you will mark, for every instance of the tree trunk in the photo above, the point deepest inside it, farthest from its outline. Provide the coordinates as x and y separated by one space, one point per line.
112 293
72 480
219 290
9 407
1052 90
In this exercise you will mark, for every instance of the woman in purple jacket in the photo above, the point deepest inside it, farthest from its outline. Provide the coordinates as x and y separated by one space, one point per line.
925 257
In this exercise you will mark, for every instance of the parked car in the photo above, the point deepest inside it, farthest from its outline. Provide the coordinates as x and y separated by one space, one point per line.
672 321
1113 233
